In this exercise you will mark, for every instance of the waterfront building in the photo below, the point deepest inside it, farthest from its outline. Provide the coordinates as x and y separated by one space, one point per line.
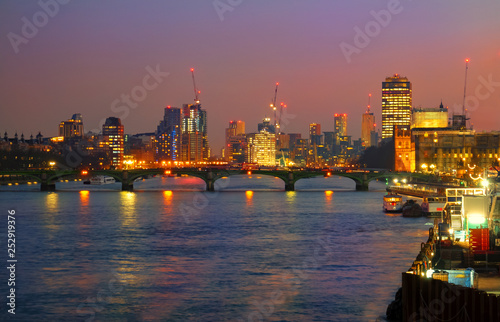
447 150
262 148
168 136
194 138
314 141
112 134
404 149
396 104
72 128
425 118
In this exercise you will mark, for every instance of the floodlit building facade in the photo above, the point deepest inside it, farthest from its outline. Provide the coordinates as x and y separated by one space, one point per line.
262 148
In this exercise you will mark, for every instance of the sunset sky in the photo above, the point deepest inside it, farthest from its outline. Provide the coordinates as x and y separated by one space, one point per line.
83 55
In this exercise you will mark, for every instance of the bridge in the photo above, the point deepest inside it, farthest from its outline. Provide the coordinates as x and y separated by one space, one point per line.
48 178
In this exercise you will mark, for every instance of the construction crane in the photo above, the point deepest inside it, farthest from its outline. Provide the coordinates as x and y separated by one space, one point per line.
273 104
279 118
196 91
464 110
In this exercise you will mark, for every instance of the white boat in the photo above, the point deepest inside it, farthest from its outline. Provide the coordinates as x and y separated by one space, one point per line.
102 180
393 203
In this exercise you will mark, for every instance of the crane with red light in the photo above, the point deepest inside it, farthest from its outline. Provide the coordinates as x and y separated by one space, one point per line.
196 91
273 104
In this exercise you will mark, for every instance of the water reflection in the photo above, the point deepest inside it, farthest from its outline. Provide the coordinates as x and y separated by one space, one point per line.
52 208
128 211
328 196
84 198
167 197
249 195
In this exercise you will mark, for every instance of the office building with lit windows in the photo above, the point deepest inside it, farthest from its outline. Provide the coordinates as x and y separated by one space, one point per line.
112 132
72 127
262 148
168 136
396 104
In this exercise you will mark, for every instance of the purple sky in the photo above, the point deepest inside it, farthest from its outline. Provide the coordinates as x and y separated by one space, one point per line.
91 52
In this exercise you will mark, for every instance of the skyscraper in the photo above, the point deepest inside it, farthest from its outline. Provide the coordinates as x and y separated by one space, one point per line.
112 132
396 104
168 135
194 139
340 121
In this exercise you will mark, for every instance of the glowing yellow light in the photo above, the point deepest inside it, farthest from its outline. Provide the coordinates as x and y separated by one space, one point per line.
249 173
328 192
476 219
249 193
168 193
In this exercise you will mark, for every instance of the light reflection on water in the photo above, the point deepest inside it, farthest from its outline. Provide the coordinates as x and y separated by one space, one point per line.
303 255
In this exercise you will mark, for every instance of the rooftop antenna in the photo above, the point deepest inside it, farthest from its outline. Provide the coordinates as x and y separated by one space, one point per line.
465 88
369 97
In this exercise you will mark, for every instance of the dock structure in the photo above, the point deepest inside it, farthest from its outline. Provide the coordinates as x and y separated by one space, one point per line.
456 275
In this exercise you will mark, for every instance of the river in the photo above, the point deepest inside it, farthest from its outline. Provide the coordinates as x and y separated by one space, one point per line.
168 252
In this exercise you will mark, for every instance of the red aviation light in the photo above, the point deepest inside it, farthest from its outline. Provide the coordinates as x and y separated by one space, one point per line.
192 69
467 60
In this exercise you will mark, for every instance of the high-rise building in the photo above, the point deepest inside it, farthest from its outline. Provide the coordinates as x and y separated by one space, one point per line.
235 141
168 135
72 127
396 104
367 127
112 132
194 139
340 127
262 148
315 133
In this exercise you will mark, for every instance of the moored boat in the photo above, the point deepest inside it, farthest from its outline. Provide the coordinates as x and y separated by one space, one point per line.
97 180
393 203
412 209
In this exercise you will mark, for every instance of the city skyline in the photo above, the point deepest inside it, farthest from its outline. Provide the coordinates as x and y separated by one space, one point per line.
238 65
